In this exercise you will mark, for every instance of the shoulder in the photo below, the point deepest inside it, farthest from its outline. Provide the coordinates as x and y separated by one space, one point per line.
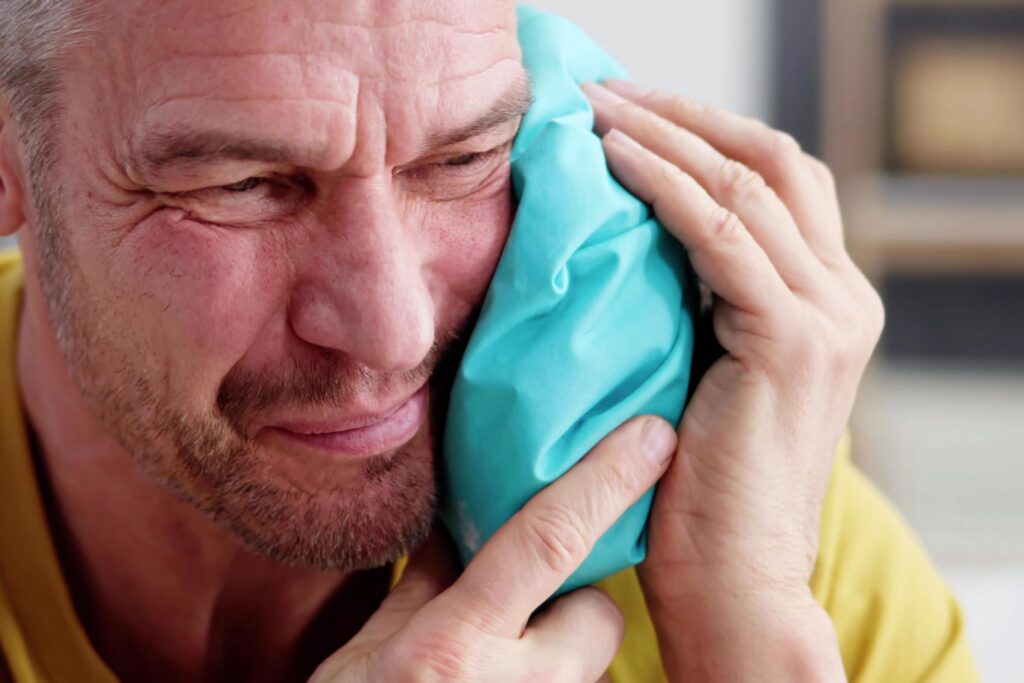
894 615
10 270
10 257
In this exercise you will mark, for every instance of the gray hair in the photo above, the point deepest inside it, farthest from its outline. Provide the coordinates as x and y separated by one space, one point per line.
34 37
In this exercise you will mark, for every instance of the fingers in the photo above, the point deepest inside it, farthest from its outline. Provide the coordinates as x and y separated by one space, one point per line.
577 636
722 251
523 564
804 187
729 182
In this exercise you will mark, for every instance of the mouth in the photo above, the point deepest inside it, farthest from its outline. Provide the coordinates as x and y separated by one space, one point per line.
355 436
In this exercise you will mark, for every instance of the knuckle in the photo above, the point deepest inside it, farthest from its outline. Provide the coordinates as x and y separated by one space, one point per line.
723 225
781 150
876 309
558 537
823 173
783 145
740 184
871 322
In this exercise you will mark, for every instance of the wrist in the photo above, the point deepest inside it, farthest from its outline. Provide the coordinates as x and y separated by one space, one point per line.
736 636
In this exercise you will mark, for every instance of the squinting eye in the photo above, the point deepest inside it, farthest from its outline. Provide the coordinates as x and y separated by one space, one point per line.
244 185
465 159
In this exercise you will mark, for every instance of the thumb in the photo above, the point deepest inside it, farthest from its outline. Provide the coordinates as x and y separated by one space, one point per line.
432 568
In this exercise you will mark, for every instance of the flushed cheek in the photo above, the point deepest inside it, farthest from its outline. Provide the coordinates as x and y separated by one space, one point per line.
466 243
202 293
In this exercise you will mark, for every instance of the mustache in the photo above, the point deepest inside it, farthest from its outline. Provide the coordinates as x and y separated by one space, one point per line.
328 379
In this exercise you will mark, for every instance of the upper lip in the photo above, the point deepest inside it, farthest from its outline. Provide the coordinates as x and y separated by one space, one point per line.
331 424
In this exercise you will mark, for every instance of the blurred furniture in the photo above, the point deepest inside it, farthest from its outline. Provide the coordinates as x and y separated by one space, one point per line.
922 120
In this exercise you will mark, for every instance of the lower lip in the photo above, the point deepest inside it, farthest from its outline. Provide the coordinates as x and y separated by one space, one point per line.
380 437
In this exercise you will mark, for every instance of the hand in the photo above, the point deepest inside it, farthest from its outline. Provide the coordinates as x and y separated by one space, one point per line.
480 628
733 533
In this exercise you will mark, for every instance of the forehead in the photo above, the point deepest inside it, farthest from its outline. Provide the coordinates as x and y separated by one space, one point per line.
340 72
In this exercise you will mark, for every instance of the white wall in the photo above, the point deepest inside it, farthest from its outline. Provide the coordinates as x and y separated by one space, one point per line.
712 51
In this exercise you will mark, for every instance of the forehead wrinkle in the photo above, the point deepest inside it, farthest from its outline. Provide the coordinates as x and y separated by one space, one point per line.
444 79
463 15
361 16
279 36
306 47
325 68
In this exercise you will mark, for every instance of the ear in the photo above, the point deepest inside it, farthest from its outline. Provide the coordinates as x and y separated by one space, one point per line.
12 208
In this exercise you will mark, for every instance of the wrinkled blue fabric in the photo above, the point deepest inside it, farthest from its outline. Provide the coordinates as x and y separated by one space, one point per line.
587 323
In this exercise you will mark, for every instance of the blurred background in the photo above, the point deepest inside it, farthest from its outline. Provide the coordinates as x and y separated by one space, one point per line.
918 105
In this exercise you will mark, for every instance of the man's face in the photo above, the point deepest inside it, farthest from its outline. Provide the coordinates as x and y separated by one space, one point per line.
276 218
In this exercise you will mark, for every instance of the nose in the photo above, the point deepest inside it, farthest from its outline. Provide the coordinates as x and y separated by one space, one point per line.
362 289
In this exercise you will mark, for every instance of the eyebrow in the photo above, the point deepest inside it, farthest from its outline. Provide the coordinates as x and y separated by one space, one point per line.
512 104
191 147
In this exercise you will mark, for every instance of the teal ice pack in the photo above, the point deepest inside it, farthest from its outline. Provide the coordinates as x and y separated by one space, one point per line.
587 323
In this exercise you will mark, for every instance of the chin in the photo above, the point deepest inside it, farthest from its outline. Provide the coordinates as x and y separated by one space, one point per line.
365 516
355 515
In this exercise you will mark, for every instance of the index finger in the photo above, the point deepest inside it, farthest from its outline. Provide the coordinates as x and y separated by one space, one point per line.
772 153
533 554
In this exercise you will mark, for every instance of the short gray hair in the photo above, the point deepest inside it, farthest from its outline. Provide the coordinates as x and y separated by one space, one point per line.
34 37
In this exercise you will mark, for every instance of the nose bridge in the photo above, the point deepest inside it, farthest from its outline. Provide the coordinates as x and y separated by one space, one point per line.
365 293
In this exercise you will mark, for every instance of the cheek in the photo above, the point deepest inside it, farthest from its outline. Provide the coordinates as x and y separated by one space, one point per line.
466 241
201 293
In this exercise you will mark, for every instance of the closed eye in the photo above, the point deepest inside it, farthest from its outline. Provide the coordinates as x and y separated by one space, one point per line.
467 159
244 185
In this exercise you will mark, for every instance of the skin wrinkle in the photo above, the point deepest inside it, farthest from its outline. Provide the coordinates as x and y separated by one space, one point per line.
166 310
387 77
185 147
234 54
459 27
168 101
369 38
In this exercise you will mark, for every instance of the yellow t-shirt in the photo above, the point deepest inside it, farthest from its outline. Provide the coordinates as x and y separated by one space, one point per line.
895 618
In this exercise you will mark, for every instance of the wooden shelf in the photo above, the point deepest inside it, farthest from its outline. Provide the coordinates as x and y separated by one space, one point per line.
936 222
958 3
898 222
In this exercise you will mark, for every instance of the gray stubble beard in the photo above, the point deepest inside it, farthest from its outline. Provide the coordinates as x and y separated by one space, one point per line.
207 463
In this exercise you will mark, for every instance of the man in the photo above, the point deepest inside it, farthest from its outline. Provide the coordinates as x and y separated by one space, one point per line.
252 234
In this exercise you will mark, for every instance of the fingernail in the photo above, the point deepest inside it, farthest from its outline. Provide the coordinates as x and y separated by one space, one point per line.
625 88
599 93
659 440
617 137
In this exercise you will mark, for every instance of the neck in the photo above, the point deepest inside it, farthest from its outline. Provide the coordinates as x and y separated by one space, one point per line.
158 586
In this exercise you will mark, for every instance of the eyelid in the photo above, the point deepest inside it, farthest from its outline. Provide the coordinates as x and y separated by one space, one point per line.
440 158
